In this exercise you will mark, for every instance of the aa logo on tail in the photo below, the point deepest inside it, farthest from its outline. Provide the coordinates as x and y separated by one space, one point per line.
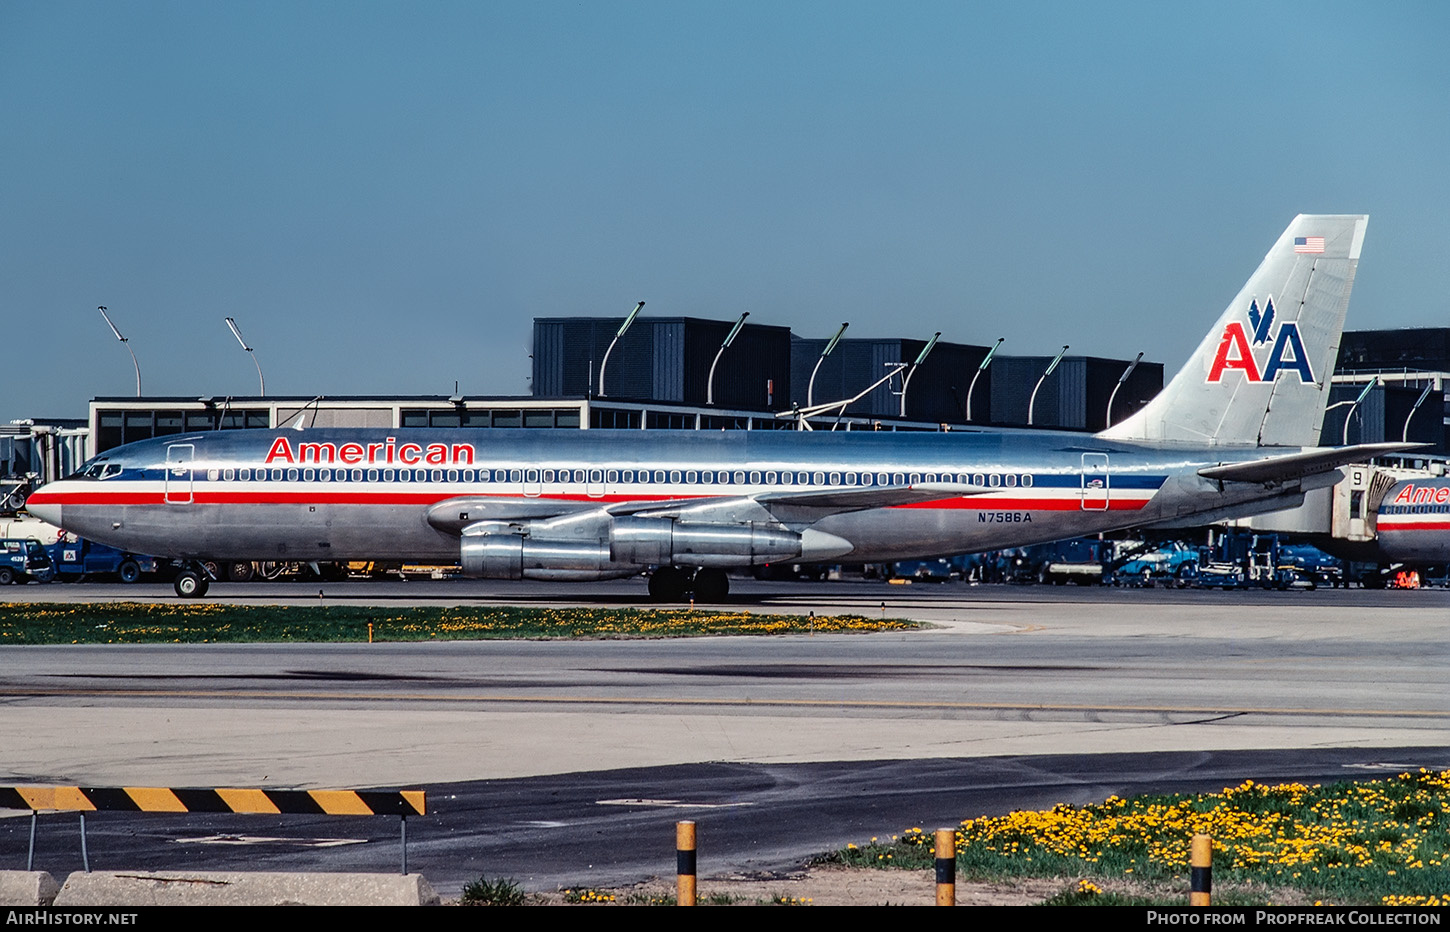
1286 354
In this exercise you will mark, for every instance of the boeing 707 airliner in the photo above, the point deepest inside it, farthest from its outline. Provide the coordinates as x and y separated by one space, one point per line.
1234 433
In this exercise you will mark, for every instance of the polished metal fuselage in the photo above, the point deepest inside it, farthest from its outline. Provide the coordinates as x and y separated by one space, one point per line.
1413 522
334 494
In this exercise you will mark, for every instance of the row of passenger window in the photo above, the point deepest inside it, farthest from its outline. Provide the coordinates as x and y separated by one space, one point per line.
616 476
1416 510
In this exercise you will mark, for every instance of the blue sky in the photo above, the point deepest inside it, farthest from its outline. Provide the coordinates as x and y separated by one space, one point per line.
385 194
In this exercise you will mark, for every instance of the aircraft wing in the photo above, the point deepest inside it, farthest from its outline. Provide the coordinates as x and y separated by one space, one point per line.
794 507
1291 466
455 514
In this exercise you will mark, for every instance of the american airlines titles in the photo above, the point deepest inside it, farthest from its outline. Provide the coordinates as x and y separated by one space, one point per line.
1419 495
386 451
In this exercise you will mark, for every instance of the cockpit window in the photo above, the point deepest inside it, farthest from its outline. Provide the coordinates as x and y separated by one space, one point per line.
100 468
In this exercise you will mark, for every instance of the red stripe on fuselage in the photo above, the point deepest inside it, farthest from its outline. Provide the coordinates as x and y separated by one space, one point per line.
978 503
1414 526
312 497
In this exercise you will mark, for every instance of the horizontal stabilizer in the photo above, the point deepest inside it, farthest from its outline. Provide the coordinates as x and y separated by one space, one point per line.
1292 466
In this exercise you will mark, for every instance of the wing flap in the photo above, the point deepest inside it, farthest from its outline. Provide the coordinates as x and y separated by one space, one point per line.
859 499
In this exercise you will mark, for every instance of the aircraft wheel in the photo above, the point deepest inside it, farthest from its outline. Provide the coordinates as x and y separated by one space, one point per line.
129 571
668 584
7 576
190 584
712 585
239 571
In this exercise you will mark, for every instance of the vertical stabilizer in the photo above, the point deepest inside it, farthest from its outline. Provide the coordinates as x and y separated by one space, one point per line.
1261 376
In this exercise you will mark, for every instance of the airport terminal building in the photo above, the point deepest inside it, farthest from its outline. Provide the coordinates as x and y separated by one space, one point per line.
672 374
675 373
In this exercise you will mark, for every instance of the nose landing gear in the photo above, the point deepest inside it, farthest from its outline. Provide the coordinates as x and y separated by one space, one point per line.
191 581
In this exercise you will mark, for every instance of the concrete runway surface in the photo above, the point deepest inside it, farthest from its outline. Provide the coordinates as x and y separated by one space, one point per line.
1187 684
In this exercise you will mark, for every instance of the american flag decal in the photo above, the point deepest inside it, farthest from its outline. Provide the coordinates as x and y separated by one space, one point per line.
1308 244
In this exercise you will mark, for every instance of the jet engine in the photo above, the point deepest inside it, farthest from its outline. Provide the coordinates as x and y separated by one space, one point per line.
536 549
499 550
665 542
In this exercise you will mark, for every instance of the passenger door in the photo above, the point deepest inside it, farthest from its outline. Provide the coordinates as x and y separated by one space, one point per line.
1095 485
179 473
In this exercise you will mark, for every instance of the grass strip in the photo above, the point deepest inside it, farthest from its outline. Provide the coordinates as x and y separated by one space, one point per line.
202 623
1378 842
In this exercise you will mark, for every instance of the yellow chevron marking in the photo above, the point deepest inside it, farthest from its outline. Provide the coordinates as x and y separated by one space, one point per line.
45 797
340 802
154 798
57 797
415 799
248 801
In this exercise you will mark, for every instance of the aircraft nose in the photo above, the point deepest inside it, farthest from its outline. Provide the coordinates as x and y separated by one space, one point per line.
45 507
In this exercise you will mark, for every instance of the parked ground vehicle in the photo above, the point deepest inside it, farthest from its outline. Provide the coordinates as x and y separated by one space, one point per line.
1313 565
74 558
1247 560
1170 564
22 560
1077 560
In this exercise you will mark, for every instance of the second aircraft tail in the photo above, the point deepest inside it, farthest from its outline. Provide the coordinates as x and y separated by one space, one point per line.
1261 376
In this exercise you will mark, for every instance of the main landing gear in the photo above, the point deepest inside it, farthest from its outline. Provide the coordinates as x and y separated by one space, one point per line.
191 581
672 583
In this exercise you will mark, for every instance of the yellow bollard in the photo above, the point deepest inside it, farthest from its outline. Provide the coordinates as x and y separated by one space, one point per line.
685 863
370 632
946 867
1200 865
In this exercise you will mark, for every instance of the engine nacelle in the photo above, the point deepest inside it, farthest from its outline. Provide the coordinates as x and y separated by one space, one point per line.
665 542
537 549
496 550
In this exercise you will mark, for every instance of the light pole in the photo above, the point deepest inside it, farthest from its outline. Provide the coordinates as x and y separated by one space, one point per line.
920 358
126 343
1121 379
1033 400
811 386
262 383
986 361
1344 440
1405 434
730 338
617 334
